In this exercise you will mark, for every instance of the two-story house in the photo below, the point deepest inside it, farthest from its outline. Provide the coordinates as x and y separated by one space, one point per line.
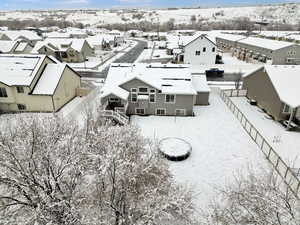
65 50
153 89
35 83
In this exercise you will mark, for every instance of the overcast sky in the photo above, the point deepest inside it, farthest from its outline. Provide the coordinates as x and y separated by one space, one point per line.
58 4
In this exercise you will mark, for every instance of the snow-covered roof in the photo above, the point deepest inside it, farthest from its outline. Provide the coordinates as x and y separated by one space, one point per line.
265 43
59 44
19 69
57 35
21 47
285 79
7 46
200 83
49 79
230 37
169 78
18 34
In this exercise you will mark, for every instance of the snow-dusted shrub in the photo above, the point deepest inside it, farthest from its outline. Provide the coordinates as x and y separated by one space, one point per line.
256 198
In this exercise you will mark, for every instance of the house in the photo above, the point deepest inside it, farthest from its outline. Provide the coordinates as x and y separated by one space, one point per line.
153 89
260 49
21 35
35 83
14 47
196 50
103 42
275 88
65 50
200 50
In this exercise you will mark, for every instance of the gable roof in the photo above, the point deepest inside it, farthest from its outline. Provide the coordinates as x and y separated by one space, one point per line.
19 69
170 79
21 34
286 80
266 43
196 38
49 79
60 44
8 46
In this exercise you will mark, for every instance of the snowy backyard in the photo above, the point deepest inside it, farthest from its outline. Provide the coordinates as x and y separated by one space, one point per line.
285 143
221 148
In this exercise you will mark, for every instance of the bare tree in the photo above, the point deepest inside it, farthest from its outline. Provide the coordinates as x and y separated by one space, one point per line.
256 199
52 172
40 169
133 183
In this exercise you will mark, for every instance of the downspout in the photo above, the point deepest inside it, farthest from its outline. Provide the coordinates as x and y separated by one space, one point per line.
291 118
53 103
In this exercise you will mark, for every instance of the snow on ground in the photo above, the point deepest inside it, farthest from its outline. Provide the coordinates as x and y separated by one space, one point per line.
157 54
232 60
276 12
220 146
285 143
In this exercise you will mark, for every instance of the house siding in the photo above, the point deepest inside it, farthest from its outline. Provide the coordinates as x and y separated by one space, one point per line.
182 101
260 88
202 98
66 89
206 58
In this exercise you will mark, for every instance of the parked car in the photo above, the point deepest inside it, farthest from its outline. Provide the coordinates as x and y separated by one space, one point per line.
214 72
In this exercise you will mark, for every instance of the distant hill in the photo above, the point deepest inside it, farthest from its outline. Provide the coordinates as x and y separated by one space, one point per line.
282 13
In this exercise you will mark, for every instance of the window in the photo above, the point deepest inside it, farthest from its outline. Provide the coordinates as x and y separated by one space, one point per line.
152 90
152 98
140 111
133 97
143 90
197 53
204 49
180 112
21 107
114 100
286 108
160 112
134 90
170 98
3 93
20 89
213 49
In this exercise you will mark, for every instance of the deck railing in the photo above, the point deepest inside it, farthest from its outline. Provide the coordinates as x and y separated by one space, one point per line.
119 117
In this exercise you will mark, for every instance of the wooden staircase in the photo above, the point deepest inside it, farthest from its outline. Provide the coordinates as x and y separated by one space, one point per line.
119 117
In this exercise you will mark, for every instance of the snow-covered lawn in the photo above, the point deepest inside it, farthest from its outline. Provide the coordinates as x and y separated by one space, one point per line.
220 146
285 143
232 60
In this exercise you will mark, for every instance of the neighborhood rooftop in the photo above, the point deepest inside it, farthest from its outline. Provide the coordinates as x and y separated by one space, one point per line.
170 79
285 79
19 69
265 43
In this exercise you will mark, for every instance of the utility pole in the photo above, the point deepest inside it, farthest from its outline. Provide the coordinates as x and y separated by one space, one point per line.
158 28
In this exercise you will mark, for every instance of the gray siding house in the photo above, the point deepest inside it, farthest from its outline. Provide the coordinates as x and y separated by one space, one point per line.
153 89
260 49
276 90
